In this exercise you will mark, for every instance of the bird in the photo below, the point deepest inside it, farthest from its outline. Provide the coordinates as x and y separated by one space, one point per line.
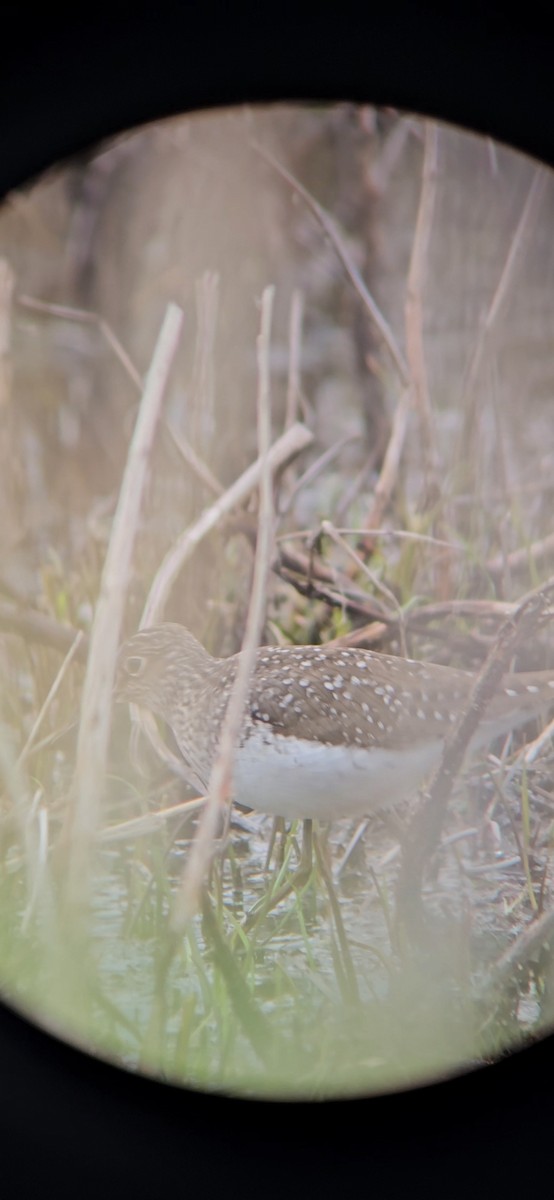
328 732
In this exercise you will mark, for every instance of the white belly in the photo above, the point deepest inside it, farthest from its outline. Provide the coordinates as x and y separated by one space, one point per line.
301 779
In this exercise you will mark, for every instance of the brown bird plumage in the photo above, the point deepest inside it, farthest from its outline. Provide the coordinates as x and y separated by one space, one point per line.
327 732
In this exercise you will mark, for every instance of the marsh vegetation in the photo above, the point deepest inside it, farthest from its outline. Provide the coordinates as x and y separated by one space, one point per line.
374 295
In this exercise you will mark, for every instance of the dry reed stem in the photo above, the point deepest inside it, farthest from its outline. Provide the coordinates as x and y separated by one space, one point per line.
507 276
313 568
379 173
203 384
315 469
150 822
415 348
424 539
92 744
383 535
350 848
294 388
24 753
534 748
329 530
538 933
309 575
377 629
391 462
291 443
518 560
497 610
330 227
85 317
381 623
368 635
7 283
219 789
36 627
425 827
193 460
359 480
415 288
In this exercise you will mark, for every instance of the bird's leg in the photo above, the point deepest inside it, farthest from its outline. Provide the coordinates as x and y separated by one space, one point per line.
278 829
304 870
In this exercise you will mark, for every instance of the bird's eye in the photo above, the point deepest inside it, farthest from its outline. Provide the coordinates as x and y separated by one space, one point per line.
135 665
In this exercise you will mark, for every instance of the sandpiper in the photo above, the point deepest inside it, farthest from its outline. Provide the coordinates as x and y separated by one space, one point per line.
328 732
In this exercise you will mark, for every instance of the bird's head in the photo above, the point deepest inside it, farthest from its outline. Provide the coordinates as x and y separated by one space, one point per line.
155 666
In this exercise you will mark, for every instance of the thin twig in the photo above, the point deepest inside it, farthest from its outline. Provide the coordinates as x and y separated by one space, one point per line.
534 748
425 827
291 443
368 635
330 227
381 170
384 535
24 753
354 841
296 439
348 602
54 737
219 789
313 568
391 462
328 528
360 479
36 627
315 469
496 610
528 215
194 461
92 744
520 559
150 822
85 317
294 390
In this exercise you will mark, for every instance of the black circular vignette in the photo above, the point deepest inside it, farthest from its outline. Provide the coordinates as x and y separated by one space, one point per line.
69 77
